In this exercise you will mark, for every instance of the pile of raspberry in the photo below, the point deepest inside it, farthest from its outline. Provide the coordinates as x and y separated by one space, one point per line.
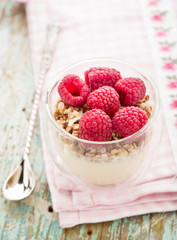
111 101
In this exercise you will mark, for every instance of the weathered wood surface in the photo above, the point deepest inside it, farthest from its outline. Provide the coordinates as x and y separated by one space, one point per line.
33 218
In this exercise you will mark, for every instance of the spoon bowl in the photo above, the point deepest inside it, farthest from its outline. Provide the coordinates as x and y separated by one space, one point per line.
20 183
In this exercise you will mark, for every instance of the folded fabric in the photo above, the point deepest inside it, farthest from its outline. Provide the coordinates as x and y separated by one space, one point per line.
91 29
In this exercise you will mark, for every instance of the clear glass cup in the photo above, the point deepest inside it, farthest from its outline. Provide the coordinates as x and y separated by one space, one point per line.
120 162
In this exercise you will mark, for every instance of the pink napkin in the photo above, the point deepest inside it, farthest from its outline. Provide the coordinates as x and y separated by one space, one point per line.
116 29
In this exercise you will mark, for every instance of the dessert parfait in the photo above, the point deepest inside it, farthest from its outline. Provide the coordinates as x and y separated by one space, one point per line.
101 120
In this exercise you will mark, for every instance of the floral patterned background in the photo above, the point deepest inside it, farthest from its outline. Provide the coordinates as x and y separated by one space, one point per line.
162 28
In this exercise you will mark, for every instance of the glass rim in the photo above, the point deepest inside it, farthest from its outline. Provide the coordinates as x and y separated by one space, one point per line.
129 138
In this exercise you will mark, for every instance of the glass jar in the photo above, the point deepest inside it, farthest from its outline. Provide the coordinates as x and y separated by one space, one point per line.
120 162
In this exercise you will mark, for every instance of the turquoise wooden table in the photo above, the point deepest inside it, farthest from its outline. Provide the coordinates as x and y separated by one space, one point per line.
33 218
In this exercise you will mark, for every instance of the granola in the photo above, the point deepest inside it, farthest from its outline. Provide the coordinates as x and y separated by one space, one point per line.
68 117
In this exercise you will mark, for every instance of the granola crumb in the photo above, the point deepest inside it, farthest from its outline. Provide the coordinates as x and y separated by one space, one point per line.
114 151
75 133
75 126
134 145
75 113
61 107
68 129
115 136
103 150
93 150
66 111
82 151
144 105
88 154
70 115
130 148
123 152
147 98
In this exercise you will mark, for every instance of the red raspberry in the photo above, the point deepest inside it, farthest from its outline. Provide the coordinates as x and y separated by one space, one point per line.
73 90
105 98
130 90
98 77
95 125
129 120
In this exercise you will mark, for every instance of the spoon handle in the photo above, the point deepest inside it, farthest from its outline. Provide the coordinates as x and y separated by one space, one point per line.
50 42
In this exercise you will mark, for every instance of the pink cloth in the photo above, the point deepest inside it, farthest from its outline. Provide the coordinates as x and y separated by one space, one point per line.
91 29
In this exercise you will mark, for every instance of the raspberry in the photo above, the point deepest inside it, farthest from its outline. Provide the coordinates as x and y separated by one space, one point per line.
105 98
98 77
129 120
73 90
130 90
95 125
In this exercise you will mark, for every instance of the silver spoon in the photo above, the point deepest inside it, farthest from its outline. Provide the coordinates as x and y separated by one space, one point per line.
21 182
